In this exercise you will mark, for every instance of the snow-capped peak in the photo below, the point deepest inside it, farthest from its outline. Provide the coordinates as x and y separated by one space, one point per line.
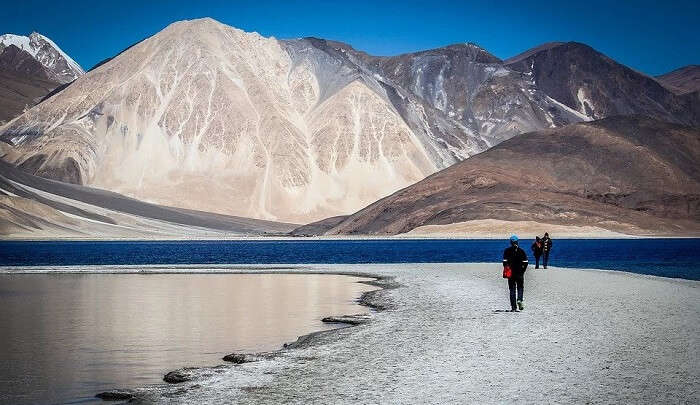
59 65
19 41
72 63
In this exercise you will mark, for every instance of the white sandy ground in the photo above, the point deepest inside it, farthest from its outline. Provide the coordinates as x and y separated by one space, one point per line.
586 336
493 228
131 227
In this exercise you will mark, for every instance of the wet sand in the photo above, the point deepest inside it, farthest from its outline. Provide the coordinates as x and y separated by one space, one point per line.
585 336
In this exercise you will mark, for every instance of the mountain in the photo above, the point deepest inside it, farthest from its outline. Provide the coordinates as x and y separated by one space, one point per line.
23 82
683 80
22 63
32 207
591 83
459 100
59 67
30 69
632 175
204 116
208 117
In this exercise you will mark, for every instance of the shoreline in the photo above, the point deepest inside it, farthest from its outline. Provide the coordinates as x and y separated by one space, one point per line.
396 334
328 322
295 371
268 268
374 300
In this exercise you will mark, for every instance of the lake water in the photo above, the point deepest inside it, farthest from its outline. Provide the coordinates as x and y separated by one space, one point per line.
66 337
663 257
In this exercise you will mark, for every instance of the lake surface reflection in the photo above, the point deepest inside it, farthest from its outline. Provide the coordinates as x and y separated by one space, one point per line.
63 338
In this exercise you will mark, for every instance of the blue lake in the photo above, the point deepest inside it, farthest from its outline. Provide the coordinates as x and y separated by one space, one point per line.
663 257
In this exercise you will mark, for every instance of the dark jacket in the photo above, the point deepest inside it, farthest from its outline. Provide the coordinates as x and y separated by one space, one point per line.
516 258
537 250
547 244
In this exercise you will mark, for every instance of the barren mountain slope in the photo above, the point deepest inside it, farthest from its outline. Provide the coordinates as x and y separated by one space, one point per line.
208 117
626 174
57 64
205 116
33 207
460 100
683 80
23 82
30 69
593 84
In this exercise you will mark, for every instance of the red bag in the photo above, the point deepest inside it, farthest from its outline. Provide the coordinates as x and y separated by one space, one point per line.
507 272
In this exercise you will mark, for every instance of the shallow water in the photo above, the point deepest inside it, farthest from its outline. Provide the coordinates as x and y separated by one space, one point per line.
66 337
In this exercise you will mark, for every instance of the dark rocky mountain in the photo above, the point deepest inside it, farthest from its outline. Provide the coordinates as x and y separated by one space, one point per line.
23 82
683 80
626 174
595 85
30 69
58 65
318 227
20 62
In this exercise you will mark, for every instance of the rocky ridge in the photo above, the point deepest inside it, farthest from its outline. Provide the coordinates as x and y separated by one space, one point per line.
205 116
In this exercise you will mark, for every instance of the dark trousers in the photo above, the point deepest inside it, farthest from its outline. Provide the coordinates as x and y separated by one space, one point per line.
516 281
545 258
537 261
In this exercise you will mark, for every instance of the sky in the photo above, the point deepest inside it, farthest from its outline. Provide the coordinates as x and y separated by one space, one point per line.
653 37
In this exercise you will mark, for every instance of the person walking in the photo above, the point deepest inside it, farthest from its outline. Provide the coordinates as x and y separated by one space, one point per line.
516 259
537 251
546 248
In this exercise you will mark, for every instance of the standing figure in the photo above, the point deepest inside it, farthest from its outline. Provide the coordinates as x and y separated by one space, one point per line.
546 248
516 259
537 251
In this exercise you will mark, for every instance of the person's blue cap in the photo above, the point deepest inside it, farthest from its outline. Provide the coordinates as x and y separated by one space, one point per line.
514 238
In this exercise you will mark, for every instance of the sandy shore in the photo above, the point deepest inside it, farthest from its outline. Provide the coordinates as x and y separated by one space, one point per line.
585 336
406 236
497 229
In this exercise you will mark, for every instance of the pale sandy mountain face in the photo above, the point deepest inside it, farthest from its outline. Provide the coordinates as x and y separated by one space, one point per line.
32 206
208 117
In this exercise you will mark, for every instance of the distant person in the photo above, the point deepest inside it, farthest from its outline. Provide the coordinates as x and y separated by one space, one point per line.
546 248
537 251
515 258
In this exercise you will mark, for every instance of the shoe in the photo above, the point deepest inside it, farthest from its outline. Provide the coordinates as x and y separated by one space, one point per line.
521 305
514 310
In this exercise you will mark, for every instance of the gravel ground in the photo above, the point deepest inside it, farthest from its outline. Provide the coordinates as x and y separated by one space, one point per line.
585 336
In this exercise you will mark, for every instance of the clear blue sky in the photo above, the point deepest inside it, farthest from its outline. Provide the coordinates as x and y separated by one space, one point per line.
651 36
